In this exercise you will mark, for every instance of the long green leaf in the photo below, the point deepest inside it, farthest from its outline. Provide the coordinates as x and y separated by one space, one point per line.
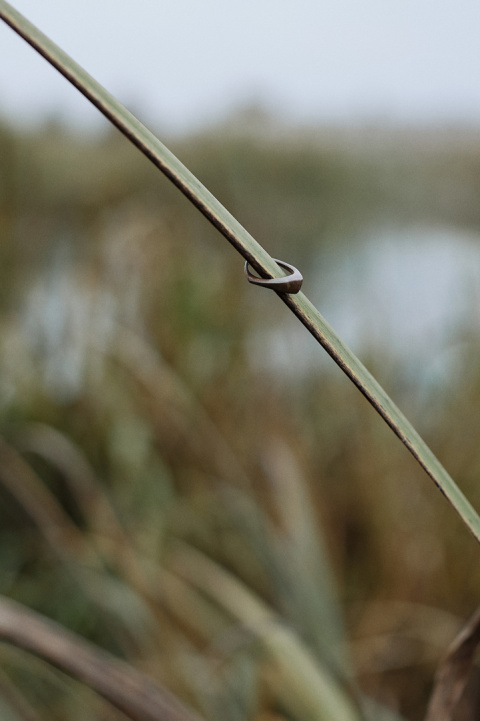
306 687
231 229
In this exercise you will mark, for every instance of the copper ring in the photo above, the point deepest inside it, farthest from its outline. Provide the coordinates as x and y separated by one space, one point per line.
288 284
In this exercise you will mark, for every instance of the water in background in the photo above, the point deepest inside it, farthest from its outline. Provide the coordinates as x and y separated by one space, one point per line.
412 293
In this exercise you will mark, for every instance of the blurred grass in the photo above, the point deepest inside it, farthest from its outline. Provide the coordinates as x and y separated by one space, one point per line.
173 500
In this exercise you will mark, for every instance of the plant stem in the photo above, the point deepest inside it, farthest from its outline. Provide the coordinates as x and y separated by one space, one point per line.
250 249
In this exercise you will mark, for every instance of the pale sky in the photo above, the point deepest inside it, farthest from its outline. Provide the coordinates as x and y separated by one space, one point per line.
180 63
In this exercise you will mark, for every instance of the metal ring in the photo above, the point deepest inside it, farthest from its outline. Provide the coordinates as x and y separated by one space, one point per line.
288 284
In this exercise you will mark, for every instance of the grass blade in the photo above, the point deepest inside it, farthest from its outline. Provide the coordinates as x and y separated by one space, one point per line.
306 688
453 675
137 696
250 249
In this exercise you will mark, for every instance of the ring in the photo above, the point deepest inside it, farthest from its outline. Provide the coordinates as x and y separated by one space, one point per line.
288 284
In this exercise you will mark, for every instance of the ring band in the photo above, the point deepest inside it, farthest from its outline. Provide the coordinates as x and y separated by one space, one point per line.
288 284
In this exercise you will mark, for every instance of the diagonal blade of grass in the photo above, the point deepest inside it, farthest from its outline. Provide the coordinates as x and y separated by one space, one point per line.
307 689
250 249
453 675
85 561
136 695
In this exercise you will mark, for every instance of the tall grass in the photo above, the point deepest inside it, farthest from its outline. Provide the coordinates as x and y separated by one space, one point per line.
125 403
254 253
259 544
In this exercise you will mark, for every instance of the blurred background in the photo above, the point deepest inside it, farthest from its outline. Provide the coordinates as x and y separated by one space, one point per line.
170 437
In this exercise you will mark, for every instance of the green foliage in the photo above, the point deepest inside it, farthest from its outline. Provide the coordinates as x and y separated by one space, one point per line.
181 476
266 553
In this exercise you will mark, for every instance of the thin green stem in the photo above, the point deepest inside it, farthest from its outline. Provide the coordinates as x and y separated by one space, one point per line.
250 249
